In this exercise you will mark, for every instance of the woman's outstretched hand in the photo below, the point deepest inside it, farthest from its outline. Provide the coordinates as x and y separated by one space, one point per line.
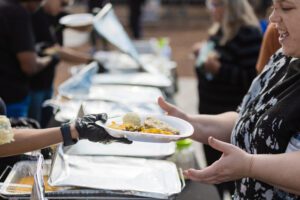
171 109
233 164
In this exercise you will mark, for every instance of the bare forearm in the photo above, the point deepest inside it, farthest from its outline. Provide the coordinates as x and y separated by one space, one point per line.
219 126
281 171
73 55
33 139
31 64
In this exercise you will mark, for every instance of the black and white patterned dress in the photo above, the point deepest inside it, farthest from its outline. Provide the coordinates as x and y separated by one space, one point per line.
268 117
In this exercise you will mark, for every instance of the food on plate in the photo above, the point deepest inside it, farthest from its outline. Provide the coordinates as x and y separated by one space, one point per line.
152 122
6 134
132 122
132 118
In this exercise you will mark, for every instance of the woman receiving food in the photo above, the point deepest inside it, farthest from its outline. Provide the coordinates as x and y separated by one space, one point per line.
254 140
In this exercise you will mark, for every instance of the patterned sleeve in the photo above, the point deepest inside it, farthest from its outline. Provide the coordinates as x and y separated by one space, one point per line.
259 80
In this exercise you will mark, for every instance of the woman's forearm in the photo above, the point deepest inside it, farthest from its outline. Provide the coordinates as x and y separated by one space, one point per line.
281 170
33 139
74 55
219 126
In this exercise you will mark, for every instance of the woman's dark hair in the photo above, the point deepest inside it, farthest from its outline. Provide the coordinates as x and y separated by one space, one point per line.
261 7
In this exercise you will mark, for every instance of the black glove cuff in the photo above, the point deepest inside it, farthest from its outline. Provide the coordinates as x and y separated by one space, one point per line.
66 134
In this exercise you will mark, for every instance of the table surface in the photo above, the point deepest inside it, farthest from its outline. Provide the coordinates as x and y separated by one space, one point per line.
198 191
192 191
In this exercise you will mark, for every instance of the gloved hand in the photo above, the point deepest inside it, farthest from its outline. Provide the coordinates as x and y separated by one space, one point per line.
87 129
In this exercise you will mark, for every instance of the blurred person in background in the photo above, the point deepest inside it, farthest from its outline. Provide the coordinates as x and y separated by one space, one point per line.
269 46
94 6
135 17
18 60
260 143
228 68
48 34
270 43
262 9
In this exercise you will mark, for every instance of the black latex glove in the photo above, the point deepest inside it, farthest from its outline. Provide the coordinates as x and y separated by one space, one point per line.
88 129
41 46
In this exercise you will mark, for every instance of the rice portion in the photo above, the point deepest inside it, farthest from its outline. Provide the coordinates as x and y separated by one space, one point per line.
6 133
132 118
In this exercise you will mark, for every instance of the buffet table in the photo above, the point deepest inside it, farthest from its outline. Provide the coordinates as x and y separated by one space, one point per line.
192 191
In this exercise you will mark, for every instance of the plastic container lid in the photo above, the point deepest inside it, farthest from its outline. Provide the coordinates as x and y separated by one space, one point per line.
182 144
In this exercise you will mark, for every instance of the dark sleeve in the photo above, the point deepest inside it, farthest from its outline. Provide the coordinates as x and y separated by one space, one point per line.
20 31
243 50
41 28
2 107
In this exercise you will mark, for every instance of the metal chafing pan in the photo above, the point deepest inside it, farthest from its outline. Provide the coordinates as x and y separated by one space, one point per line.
20 170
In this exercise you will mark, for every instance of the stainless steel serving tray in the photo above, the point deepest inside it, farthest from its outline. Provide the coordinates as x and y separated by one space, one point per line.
22 169
123 175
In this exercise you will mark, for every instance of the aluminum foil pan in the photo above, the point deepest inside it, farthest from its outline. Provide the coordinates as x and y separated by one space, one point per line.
27 168
136 149
69 110
131 176
118 93
142 79
118 62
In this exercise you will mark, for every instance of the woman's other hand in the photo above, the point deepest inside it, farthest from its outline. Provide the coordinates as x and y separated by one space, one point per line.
212 64
197 48
233 164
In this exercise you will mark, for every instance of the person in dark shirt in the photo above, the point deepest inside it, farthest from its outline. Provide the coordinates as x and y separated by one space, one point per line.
18 59
226 73
135 17
48 39
95 6
41 88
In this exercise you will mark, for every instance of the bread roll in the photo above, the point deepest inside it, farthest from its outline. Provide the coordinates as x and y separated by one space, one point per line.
6 133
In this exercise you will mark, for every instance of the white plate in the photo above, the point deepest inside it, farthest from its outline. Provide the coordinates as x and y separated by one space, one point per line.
185 130
77 20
